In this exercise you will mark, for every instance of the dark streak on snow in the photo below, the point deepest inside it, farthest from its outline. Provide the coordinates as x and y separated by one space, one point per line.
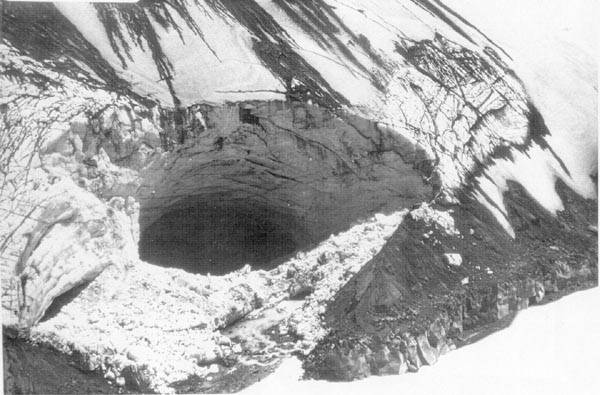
452 66
319 20
278 55
40 31
137 22
537 134
466 22
434 10
136 19
43 33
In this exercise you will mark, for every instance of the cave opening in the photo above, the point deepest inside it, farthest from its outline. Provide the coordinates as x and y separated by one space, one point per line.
218 236
249 192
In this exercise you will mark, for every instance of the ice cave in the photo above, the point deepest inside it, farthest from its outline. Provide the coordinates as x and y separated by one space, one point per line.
195 194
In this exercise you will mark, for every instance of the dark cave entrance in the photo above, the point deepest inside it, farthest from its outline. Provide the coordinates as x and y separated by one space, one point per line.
254 188
220 236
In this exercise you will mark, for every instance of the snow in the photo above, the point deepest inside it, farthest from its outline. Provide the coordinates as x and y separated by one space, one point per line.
199 75
202 76
453 259
343 76
536 169
142 73
222 66
496 207
548 349
442 220
133 304
553 44
384 21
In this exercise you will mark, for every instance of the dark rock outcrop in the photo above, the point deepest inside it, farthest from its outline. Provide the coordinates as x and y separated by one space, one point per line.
33 369
408 298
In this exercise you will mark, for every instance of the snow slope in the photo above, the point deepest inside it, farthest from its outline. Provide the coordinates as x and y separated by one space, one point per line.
349 52
554 49
347 43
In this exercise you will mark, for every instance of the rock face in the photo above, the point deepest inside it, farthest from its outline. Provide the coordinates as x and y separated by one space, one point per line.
408 298
191 191
53 373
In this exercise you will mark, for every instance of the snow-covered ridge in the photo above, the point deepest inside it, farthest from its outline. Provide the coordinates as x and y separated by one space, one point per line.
198 50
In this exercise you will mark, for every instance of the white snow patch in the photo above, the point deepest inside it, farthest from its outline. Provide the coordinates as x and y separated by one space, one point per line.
442 220
453 259
491 198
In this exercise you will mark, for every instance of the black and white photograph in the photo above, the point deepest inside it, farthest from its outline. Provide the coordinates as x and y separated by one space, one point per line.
320 197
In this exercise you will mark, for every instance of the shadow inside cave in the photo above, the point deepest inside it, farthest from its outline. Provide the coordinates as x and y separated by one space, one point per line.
63 300
219 237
